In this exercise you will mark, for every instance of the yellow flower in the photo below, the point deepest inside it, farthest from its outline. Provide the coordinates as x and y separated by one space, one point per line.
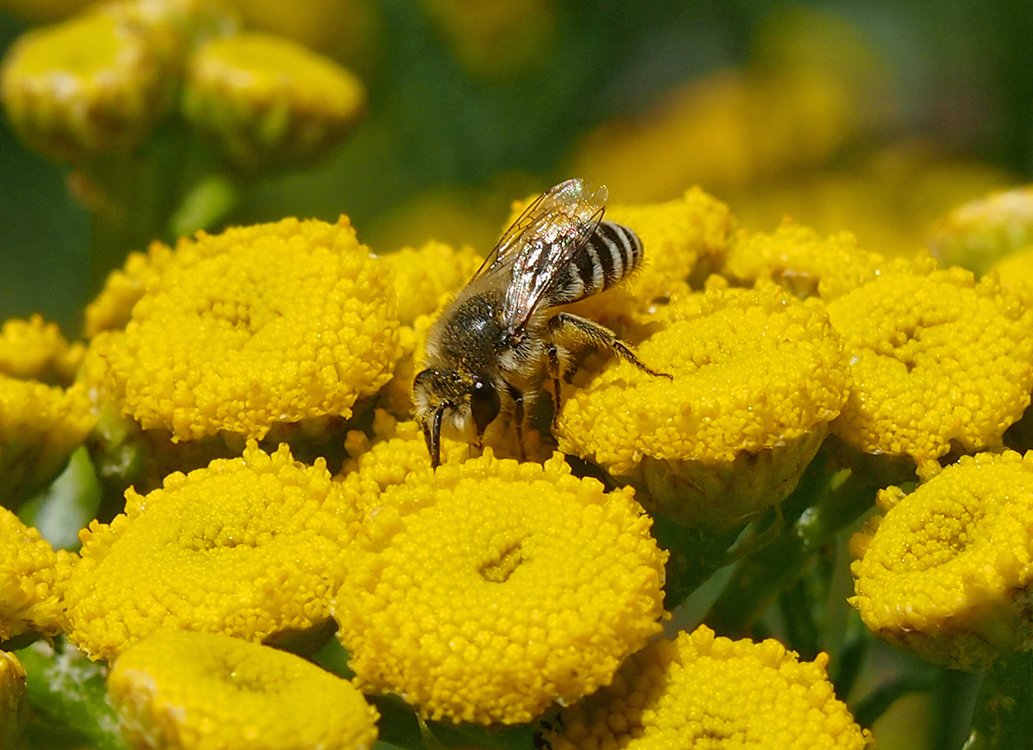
91 84
40 426
33 577
947 570
34 350
487 590
425 274
269 100
202 691
249 547
13 707
1014 272
979 232
797 258
757 377
703 691
935 360
253 328
113 307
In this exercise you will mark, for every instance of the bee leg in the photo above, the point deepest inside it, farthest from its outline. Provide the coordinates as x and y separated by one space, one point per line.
555 370
518 417
599 336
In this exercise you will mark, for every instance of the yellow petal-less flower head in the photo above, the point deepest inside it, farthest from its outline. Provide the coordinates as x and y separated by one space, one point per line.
33 577
40 426
34 350
250 547
979 232
425 274
1014 272
91 84
113 307
936 361
946 571
757 375
803 262
267 100
202 691
488 590
699 690
256 327
13 706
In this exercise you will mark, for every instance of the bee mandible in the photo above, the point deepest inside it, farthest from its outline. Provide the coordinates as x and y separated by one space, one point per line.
491 350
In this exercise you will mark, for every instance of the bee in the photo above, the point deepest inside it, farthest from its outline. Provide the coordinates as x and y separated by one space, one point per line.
491 350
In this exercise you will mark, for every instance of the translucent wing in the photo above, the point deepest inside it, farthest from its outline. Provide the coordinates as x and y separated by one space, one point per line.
540 244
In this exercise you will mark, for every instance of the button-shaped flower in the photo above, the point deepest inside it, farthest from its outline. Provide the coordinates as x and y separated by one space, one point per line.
33 577
256 327
201 691
250 547
34 350
269 100
947 570
934 361
757 375
979 232
702 691
486 591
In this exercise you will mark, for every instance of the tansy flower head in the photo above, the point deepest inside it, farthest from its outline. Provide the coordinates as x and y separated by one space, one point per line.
249 547
982 231
34 350
255 327
485 591
803 262
113 307
32 580
702 691
269 100
13 707
947 570
425 274
202 691
40 426
757 375
934 360
1014 272
91 84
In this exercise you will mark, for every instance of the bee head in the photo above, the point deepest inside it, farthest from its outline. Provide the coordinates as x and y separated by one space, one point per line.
467 399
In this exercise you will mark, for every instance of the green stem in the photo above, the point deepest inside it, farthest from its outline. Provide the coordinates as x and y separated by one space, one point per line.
1004 706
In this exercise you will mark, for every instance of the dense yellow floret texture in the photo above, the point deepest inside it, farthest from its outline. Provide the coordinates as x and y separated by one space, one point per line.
250 547
425 274
947 570
699 690
113 306
255 327
488 590
202 691
33 577
35 350
753 371
935 360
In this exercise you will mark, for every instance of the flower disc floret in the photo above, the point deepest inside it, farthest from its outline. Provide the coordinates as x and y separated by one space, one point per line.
702 691
947 570
33 577
934 360
257 326
753 373
485 591
203 691
250 547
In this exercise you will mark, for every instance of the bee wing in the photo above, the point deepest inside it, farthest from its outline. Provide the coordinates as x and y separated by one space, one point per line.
540 244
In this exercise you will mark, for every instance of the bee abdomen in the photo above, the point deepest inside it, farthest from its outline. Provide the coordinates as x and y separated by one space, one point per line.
611 253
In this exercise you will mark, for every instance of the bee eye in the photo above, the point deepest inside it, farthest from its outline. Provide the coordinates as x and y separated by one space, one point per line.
484 405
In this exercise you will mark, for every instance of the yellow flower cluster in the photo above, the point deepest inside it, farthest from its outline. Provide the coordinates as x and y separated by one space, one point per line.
112 308
488 590
34 350
424 275
40 426
757 377
699 690
255 327
33 577
980 232
935 360
202 691
947 569
250 547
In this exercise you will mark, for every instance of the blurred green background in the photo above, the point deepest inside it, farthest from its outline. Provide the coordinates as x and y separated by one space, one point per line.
460 122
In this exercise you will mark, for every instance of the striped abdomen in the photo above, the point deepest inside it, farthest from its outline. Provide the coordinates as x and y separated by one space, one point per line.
611 254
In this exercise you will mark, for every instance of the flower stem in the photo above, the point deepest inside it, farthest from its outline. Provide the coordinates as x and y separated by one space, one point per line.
1004 707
